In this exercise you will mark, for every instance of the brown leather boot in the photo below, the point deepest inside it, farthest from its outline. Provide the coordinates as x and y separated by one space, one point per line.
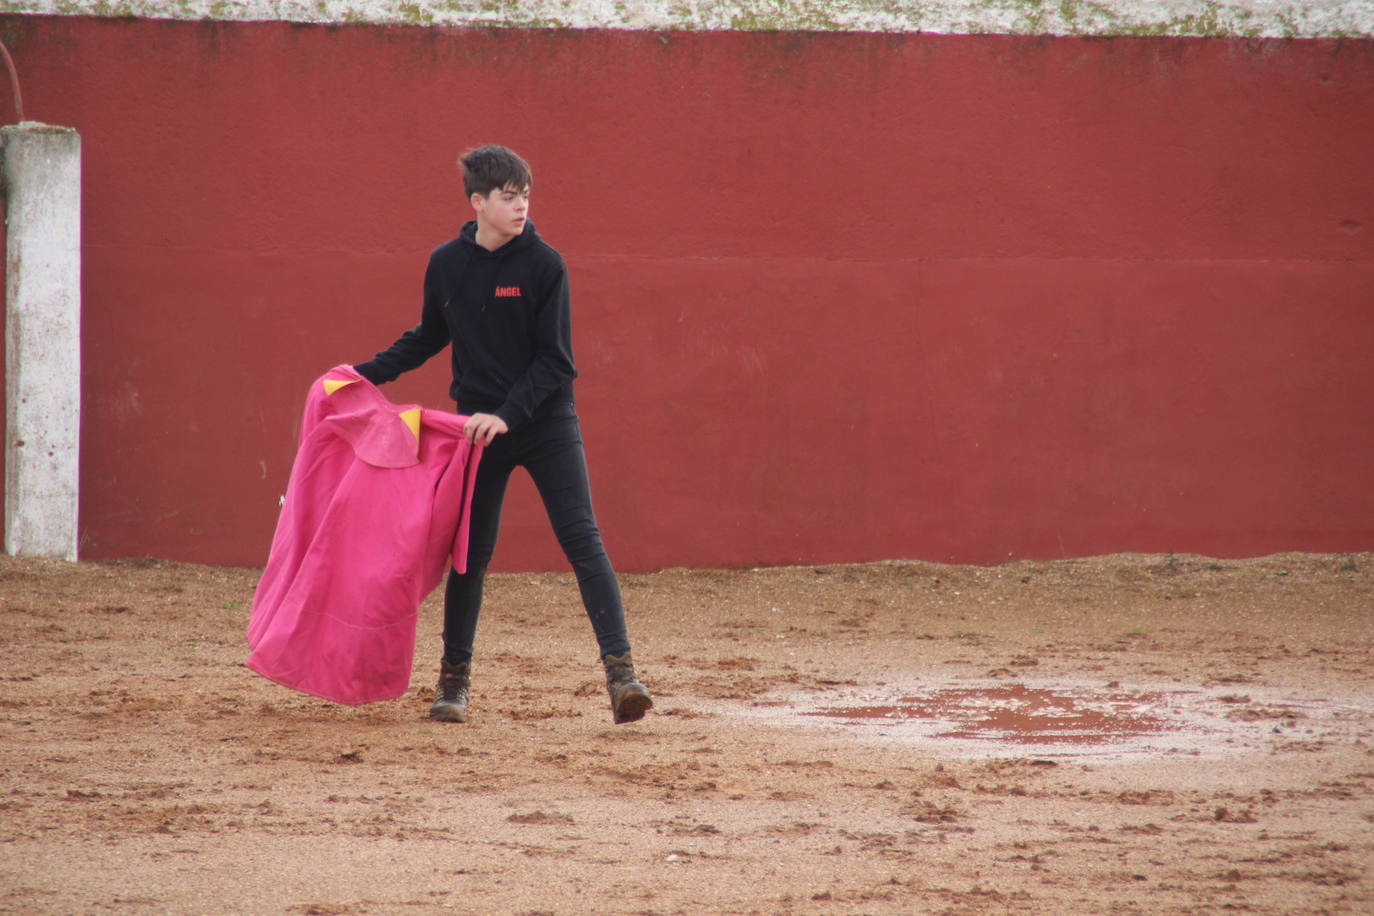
630 699
451 696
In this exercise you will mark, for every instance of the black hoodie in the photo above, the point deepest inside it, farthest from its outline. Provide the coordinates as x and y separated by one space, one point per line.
507 314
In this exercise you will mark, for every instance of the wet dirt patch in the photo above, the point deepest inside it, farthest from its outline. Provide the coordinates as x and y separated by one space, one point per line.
1020 714
980 719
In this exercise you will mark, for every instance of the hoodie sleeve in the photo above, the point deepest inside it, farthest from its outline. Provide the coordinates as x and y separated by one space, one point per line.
416 345
552 366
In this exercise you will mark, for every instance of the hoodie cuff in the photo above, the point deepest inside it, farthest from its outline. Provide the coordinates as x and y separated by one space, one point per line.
370 371
510 415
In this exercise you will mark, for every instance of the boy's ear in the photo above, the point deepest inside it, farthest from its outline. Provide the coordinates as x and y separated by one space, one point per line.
477 201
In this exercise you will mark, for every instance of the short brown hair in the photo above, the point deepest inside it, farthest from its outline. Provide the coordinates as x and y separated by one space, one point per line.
492 168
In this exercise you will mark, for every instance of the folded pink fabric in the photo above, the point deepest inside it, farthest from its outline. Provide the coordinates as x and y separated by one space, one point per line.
377 503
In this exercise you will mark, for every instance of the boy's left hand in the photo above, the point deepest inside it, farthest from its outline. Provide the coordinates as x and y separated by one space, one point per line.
481 428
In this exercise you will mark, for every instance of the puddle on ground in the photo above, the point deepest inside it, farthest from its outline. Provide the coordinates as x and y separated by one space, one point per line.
1019 714
995 718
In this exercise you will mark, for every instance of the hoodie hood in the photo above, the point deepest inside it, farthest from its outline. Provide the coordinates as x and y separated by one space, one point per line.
468 236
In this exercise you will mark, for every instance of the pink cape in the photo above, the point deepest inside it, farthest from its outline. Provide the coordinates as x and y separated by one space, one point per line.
378 502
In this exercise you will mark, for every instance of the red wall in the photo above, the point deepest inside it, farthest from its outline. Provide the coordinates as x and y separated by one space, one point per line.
836 296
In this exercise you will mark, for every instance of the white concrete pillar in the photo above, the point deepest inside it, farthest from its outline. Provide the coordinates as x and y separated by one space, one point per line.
42 186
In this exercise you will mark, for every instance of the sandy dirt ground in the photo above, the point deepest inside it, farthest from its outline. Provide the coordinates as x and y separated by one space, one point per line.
1126 734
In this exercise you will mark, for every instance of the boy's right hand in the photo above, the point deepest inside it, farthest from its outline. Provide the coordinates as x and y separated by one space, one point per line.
481 428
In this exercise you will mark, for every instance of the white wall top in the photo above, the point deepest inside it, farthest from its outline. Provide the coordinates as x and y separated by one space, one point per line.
1212 18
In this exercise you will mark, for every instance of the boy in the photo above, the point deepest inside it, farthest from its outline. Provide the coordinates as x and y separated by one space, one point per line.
498 293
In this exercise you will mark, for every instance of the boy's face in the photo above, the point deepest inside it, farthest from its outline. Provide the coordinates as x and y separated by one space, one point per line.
503 211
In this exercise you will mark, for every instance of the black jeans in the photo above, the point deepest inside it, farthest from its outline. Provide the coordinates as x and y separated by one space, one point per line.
550 449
